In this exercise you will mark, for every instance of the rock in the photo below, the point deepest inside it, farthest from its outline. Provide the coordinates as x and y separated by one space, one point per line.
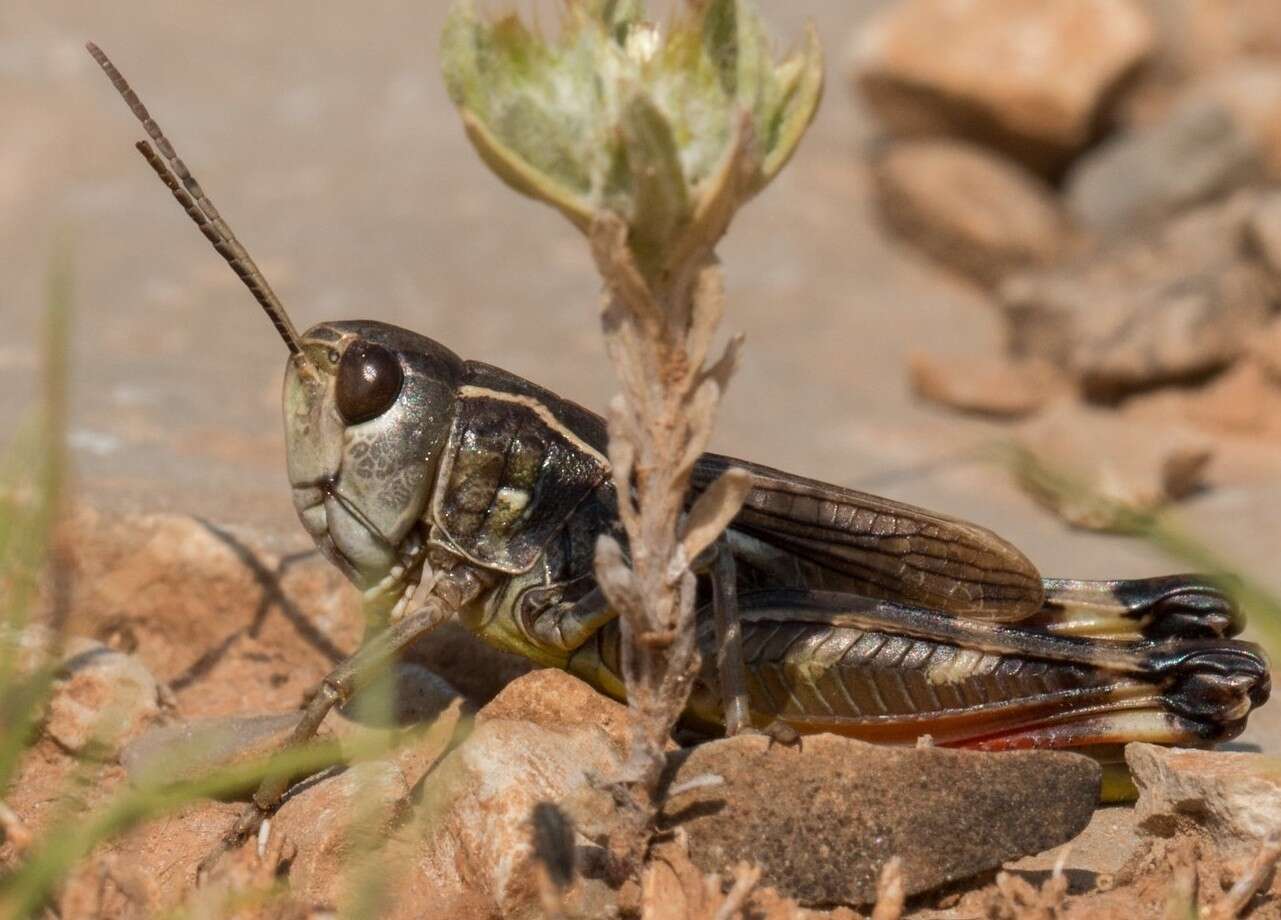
211 610
421 695
415 695
1029 77
1097 470
972 211
1233 798
1266 350
1103 848
29 646
539 740
555 699
1140 177
1172 308
428 717
1251 93
477 853
1264 231
476 668
1201 36
334 821
186 750
1245 400
822 819
216 612
156 861
101 699
997 387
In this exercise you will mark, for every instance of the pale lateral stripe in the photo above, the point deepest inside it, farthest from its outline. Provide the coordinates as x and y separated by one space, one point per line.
542 412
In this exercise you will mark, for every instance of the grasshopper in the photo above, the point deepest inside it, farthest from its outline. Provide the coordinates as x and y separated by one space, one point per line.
445 488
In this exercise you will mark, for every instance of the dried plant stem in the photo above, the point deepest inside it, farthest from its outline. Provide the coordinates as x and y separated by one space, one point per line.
13 830
1021 900
654 187
891 892
1181 901
658 329
746 878
658 428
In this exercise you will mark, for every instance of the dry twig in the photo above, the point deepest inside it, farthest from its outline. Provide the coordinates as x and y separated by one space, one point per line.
13 830
891 892
1021 900
1181 902
746 878
658 330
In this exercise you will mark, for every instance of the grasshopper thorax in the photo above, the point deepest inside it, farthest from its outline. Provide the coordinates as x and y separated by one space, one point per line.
368 408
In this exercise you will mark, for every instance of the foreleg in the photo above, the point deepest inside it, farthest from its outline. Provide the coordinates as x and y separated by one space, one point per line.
345 681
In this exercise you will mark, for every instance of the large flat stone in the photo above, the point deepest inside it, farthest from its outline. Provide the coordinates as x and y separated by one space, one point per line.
823 819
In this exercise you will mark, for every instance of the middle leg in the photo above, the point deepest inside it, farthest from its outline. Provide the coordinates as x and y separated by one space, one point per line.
455 590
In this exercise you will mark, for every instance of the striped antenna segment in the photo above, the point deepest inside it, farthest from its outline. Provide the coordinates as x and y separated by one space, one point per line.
174 173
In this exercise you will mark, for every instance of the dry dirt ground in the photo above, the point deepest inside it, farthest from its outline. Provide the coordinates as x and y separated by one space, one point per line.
324 134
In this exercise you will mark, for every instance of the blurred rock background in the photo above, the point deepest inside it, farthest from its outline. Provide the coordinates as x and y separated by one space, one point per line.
1105 172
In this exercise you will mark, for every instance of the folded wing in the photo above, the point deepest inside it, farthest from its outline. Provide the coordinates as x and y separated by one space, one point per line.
883 549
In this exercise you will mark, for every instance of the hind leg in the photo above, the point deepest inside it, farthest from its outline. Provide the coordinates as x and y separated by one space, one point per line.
1167 607
730 669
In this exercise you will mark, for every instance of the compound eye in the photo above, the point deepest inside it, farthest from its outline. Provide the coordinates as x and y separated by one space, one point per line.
369 380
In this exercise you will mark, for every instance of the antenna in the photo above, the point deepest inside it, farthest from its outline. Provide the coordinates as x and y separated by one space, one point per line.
174 173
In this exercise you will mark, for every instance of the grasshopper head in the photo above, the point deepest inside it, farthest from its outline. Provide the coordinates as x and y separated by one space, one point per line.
368 408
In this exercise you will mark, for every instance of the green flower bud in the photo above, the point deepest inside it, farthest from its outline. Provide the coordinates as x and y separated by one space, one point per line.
618 114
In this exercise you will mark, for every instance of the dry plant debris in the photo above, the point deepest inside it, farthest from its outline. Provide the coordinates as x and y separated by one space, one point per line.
1257 874
1021 900
891 892
14 830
